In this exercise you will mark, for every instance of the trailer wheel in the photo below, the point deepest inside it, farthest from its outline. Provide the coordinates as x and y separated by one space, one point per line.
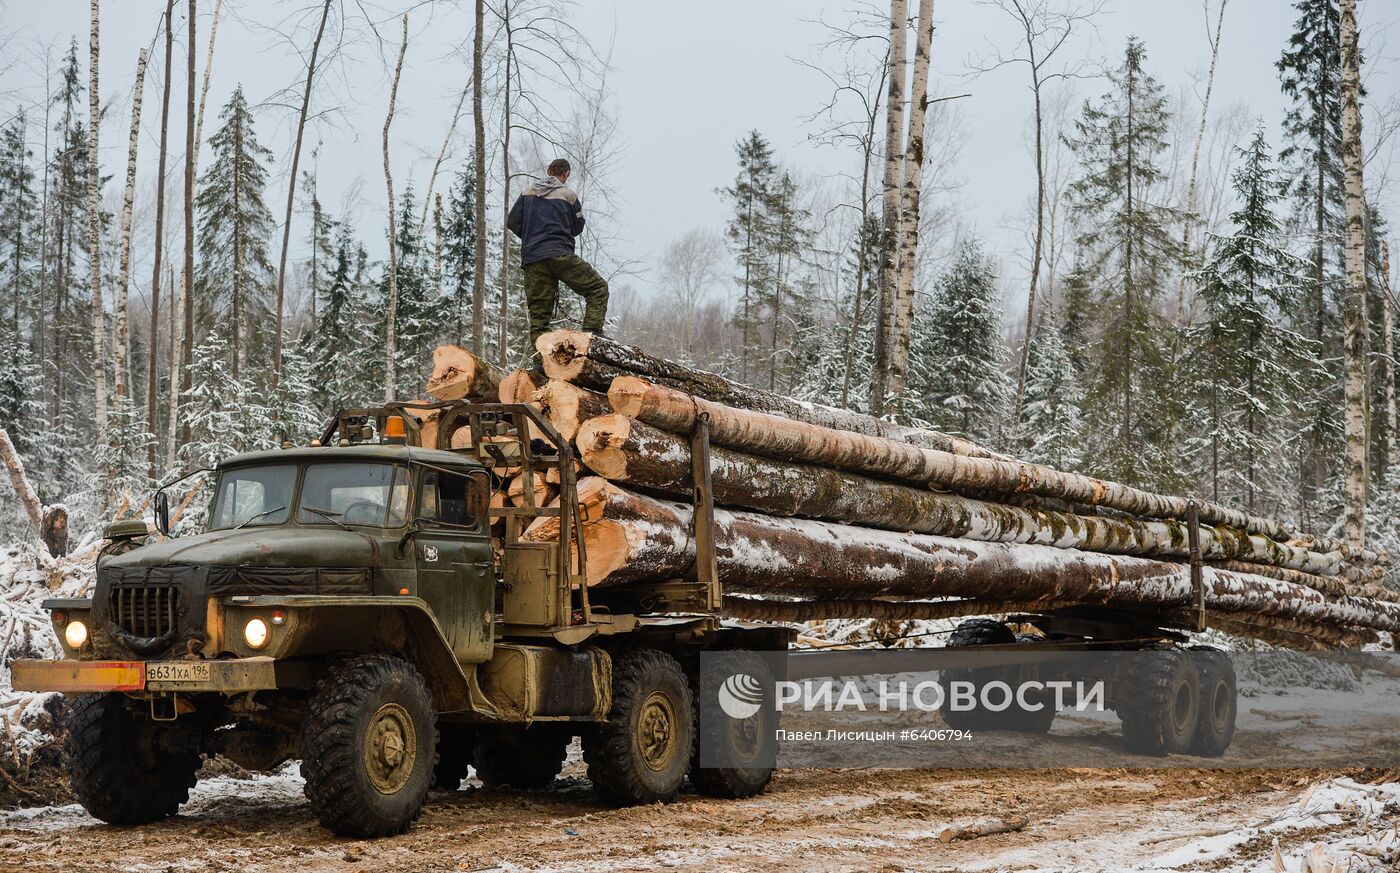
120 770
1031 721
969 633
523 757
454 761
1215 726
369 746
1160 706
641 753
740 740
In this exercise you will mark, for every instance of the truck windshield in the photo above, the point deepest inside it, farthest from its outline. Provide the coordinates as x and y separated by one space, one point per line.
354 494
253 496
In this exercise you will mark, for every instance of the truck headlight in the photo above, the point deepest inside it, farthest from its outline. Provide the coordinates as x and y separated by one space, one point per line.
75 634
255 633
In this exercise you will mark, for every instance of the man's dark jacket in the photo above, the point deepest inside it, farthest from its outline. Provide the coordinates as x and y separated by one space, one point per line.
546 217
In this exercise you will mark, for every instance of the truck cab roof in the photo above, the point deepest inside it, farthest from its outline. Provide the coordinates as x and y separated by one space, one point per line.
360 452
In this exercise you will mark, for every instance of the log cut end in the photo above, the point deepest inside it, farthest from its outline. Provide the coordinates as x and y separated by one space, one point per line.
628 395
519 387
560 403
600 443
563 353
454 373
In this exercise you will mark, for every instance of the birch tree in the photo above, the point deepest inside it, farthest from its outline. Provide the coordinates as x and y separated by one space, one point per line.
94 217
389 350
478 185
890 218
152 368
1356 464
123 349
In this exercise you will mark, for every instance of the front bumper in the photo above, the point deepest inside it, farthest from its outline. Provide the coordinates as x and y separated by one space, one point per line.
79 677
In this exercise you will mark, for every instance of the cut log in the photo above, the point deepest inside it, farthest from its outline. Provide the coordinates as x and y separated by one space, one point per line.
983 827
568 406
622 450
1323 583
543 491
428 422
779 437
519 387
458 374
28 497
641 539
593 362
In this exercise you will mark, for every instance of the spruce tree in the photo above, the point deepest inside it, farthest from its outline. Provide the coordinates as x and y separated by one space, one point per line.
418 323
321 255
338 350
781 301
749 230
459 249
956 379
18 208
1253 371
236 279
1052 415
1120 141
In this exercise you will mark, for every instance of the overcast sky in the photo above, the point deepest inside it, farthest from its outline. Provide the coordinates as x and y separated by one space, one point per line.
688 80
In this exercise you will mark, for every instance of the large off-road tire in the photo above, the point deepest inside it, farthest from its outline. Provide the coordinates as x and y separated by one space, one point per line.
744 741
969 633
454 756
521 757
117 765
1215 725
1160 703
369 746
1031 721
641 753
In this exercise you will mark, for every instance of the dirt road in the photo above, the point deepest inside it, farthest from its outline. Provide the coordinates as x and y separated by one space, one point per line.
886 820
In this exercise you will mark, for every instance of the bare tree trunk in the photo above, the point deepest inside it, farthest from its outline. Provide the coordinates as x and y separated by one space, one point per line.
1388 326
442 155
1034 61
389 344
123 349
503 328
152 381
889 230
479 196
291 195
1354 312
913 179
99 377
1190 217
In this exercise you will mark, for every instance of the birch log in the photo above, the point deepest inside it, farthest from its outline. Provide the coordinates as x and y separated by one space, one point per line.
622 450
774 436
28 498
632 538
458 374
593 362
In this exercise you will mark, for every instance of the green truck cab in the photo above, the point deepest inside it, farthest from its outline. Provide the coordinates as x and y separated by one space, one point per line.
363 605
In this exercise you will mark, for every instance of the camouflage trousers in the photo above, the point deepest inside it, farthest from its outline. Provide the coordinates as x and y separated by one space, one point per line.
542 280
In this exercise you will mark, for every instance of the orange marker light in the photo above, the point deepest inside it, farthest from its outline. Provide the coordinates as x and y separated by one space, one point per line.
393 428
403 591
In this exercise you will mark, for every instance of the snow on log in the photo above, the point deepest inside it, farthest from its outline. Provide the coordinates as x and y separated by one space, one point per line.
781 437
632 538
622 450
567 406
457 373
28 497
594 361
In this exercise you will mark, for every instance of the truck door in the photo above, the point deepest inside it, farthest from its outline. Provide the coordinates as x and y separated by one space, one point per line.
455 573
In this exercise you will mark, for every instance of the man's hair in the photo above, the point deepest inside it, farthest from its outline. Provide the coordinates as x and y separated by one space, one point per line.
559 167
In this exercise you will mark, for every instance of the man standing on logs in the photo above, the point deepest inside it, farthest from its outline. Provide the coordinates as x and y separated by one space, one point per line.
547 218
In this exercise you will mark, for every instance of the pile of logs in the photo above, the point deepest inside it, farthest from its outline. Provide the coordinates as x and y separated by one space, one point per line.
828 513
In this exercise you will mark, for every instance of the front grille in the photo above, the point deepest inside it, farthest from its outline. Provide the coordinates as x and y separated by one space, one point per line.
146 611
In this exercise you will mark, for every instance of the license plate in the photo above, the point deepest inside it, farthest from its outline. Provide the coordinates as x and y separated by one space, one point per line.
177 671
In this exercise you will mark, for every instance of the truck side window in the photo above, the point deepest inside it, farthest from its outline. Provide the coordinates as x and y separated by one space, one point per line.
450 499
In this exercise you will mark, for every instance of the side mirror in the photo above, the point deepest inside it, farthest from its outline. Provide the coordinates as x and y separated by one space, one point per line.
161 506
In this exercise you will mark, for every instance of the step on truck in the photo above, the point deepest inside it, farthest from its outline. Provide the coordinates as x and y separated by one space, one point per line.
363 605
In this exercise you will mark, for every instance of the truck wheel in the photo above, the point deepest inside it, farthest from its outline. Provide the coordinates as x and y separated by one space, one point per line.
118 767
640 754
969 633
746 740
454 758
1215 726
369 746
523 757
1031 721
1161 702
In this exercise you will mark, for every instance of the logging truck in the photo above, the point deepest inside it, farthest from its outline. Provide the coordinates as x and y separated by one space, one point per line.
363 604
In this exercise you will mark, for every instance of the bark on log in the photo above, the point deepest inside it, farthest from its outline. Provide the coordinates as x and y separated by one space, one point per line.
458 374
1323 583
593 362
775 436
28 497
568 406
622 450
632 538
983 827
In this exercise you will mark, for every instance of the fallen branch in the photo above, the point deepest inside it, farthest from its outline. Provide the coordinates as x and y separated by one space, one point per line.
983 827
